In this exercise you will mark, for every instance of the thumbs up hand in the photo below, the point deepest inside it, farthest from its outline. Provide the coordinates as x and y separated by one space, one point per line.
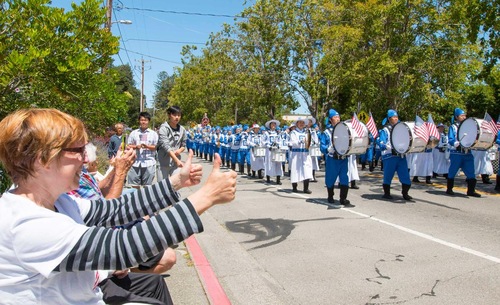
220 187
190 174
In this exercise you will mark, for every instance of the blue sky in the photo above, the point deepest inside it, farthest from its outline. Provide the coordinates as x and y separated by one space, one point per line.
157 35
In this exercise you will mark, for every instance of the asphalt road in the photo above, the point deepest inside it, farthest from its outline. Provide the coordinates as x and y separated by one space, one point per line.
272 246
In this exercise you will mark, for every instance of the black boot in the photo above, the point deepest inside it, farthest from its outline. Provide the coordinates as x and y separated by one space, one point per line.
415 179
228 163
330 195
314 177
268 179
387 191
434 175
449 186
353 185
283 167
210 158
344 189
294 188
306 187
486 179
233 167
471 188
278 180
249 170
223 161
381 165
406 188
445 176
242 168
260 174
497 186
253 174
428 180
363 166
372 167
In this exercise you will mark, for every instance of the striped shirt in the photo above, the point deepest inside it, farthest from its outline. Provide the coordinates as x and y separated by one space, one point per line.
102 248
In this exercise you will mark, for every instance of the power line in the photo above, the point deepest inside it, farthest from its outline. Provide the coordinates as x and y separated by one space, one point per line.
145 55
180 12
126 52
166 41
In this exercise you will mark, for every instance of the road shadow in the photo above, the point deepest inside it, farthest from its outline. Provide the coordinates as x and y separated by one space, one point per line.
267 229
324 201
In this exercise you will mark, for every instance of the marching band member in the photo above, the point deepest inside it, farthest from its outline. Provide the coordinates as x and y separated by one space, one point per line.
272 169
352 171
300 161
256 139
235 146
283 144
229 140
314 141
392 160
422 165
223 145
367 157
497 185
243 155
482 165
440 160
336 164
460 157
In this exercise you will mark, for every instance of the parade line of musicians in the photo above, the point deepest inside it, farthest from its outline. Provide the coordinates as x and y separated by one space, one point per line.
266 149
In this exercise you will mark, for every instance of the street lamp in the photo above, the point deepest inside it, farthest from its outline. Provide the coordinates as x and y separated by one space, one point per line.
122 22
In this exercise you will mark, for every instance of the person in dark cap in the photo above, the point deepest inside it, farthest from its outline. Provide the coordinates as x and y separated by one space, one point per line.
460 157
336 164
393 162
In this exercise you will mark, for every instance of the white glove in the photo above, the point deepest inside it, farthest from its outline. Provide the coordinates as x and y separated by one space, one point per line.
388 146
331 150
457 144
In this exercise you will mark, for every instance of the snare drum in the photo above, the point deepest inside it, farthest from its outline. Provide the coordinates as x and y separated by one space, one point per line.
346 141
471 135
259 151
314 151
404 140
278 155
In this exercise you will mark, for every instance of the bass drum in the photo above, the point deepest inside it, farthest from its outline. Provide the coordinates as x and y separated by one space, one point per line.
346 140
404 140
471 135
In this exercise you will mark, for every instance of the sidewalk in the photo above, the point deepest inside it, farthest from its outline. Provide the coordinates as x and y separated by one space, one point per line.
183 281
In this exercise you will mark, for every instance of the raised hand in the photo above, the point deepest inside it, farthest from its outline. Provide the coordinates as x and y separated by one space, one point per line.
220 187
190 174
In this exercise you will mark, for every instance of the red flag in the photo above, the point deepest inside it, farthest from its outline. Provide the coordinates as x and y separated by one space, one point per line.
421 130
357 125
488 124
372 127
433 132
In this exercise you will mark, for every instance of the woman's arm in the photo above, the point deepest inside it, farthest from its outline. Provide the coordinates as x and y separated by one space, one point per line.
104 248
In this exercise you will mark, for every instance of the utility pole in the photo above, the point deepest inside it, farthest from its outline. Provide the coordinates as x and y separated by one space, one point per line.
109 9
142 84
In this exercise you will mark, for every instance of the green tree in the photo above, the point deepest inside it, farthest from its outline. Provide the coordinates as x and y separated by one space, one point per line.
53 58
